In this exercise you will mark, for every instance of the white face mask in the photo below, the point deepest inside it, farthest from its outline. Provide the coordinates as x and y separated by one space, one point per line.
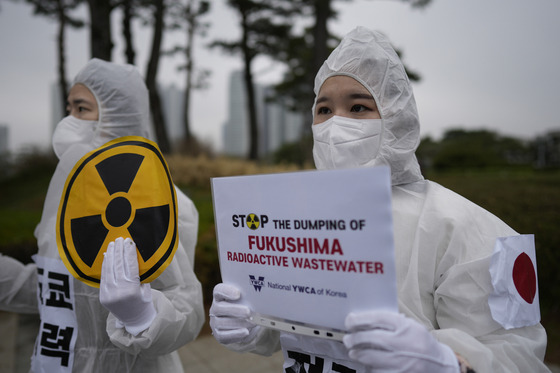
342 142
71 130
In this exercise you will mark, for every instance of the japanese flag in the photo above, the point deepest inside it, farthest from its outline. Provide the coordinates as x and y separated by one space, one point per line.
514 303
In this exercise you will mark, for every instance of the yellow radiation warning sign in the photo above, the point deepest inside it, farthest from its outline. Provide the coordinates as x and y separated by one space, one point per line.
122 189
253 221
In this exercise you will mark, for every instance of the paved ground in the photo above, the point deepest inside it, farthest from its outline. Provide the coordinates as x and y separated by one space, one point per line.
205 355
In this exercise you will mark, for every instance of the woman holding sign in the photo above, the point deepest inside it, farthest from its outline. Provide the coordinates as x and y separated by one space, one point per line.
450 316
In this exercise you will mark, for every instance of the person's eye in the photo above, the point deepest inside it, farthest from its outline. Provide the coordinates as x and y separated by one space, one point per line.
81 109
323 110
359 108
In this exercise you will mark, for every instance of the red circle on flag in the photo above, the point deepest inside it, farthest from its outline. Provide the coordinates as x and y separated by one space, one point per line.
524 277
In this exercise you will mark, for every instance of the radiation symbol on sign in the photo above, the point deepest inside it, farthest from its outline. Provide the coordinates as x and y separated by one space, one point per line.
253 221
122 189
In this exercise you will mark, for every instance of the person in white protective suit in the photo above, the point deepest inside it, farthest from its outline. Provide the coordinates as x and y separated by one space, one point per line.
123 326
15 294
365 115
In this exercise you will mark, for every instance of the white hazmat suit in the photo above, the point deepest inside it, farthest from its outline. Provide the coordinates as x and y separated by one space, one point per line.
96 342
443 242
16 294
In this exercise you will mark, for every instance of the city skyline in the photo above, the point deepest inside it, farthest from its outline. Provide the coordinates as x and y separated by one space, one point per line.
484 64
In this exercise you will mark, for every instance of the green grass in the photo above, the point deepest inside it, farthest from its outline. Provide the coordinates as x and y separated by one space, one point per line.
206 264
21 203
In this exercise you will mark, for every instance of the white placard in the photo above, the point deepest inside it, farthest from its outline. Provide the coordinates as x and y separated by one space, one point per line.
310 246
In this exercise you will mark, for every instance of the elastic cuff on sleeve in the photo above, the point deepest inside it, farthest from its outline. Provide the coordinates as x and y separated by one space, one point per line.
143 322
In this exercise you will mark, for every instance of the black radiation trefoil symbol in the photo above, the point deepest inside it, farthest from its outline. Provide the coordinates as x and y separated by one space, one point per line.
116 192
89 232
253 221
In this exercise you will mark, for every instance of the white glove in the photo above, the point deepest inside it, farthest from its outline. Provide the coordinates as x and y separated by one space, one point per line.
230 321
391 342
121 292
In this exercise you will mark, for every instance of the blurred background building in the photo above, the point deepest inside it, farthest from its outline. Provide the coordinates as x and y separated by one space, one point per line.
4 138
277 124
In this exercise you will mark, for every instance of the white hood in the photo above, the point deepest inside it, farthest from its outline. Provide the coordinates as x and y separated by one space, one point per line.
122 99
368 57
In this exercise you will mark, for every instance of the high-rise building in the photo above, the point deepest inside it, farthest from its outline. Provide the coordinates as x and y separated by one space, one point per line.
277 124
57 108
172 105
280 125
4 139
236 130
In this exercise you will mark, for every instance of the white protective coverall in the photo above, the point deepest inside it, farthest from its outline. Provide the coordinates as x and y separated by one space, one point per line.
16 294
100 345
443 242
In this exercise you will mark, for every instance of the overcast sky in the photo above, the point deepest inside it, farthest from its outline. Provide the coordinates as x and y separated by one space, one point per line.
490 64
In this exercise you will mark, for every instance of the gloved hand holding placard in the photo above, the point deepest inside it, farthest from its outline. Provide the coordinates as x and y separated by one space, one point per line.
229 320
299 244
391 342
